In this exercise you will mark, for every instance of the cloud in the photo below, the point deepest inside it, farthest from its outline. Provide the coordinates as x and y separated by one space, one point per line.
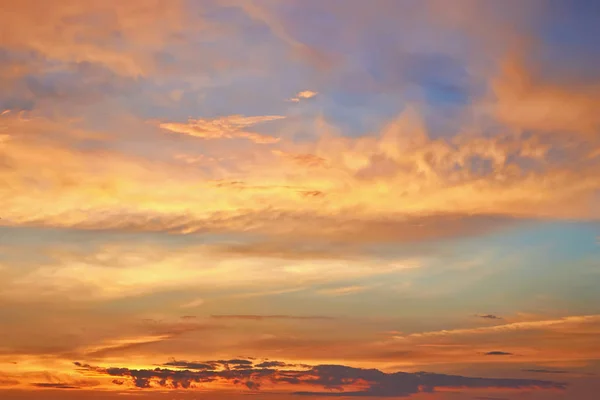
308 160
282 249
488 316
526 102
343 380
124 346
272 364
398 185
305 94
516 326
271 317
69 383
55 386
121 36
210 365
8 381
546 371
342 291
193 303
228 127
319 207
498 353
117 270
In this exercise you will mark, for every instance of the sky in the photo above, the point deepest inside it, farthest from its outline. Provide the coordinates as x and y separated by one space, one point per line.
300 199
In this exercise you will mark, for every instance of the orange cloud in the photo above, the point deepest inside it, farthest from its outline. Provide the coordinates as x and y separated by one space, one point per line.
525 102
516 326
224 128
305 94
119 35
399 185
309 160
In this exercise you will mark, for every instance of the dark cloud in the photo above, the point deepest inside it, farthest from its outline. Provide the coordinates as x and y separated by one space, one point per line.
55 382
404 384
489 316
192 365
237 364
328 380
498 353
267 317
272 364
55 385
236 361
252 385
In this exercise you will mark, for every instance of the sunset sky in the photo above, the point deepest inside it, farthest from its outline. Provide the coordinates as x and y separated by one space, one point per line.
299 199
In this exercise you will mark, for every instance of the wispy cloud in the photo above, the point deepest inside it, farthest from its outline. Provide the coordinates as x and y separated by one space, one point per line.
516 326
546 371
229 127
193 303
342 291
271 317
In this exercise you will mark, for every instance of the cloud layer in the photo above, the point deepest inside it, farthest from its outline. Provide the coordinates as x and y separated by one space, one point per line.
333 380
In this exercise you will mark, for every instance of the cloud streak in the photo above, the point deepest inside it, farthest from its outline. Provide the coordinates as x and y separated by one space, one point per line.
229 127
271 317
516 326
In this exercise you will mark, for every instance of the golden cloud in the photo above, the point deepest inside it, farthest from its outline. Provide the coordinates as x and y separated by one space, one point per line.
224 128
398 183
305 94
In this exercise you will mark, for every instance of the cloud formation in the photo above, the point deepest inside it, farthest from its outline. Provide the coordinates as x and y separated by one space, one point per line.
332 380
